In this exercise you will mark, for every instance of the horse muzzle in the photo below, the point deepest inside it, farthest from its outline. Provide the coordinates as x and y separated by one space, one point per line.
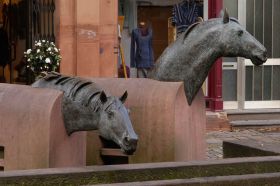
130 145
260 59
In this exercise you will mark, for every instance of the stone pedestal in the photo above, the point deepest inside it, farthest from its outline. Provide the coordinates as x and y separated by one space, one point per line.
168 128
32 133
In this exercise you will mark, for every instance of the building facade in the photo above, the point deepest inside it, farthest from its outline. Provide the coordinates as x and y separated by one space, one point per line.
253 87
234 83
86 31
87 35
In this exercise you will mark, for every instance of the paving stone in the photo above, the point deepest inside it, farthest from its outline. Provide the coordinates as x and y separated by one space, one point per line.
214 140
241 137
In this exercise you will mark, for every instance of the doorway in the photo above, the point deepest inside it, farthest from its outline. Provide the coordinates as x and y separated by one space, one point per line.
22 22
157 18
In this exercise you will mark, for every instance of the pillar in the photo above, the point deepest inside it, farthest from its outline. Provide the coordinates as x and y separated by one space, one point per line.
87 37
215 74
65 24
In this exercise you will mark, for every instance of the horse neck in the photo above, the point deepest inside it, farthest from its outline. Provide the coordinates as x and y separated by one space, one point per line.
89 119
206 47
203 48
200 48
86 124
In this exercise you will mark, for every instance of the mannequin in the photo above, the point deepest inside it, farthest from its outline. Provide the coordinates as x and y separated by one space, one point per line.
186 13
141 54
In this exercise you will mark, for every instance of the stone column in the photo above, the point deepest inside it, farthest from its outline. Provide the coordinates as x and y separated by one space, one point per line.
65 24
108 38
215 75
87 35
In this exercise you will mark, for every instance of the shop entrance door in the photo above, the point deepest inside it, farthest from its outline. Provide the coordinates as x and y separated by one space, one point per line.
157 17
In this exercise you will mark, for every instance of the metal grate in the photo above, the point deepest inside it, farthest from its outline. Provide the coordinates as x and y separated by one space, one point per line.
42 20
41 23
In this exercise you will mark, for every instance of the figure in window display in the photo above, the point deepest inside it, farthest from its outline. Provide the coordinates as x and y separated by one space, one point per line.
142 55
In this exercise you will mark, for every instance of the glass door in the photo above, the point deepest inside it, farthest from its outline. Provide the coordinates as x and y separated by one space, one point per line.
262 88
257 86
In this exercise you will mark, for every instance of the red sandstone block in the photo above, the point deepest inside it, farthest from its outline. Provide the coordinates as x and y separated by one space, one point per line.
168 128
32 130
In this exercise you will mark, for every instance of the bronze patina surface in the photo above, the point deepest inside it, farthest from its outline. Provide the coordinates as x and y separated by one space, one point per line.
86 107
191 56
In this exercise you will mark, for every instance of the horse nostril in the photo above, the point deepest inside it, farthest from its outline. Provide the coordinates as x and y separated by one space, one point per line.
265 55
126 139
133 142
130 141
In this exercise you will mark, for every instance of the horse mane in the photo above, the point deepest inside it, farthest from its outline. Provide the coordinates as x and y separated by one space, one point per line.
234 20
191 27
72 86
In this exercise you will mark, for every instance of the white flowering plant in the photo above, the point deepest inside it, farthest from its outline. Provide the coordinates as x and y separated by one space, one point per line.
44 57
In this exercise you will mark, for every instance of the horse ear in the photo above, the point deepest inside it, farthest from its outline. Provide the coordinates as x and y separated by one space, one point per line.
191 27
123 97
225 16
103 97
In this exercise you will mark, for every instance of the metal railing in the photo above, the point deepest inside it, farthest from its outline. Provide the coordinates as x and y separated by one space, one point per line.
42 20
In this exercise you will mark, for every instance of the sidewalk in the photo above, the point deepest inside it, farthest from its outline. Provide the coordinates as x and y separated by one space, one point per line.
215 140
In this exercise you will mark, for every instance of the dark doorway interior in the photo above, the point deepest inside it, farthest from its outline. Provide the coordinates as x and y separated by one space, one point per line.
157 17
24 22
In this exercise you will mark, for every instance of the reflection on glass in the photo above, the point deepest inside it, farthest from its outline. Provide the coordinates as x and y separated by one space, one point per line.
276 83
267 82
249 84
257 83
230 85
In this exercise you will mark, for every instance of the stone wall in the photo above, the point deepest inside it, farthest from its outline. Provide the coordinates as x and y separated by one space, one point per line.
32 132
232 172
168 128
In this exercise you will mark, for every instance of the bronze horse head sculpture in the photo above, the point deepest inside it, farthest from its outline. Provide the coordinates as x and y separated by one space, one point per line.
191 56
86 107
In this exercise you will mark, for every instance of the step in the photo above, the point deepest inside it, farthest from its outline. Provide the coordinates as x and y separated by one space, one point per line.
217 121
250 148
260 125
253 114
240 123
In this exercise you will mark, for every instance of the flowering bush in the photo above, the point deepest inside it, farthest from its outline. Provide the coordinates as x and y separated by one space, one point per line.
43 57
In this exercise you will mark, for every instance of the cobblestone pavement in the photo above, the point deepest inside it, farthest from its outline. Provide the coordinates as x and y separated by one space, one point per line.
215 140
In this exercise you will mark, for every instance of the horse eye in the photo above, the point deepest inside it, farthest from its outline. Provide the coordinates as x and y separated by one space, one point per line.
110 114
240 32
